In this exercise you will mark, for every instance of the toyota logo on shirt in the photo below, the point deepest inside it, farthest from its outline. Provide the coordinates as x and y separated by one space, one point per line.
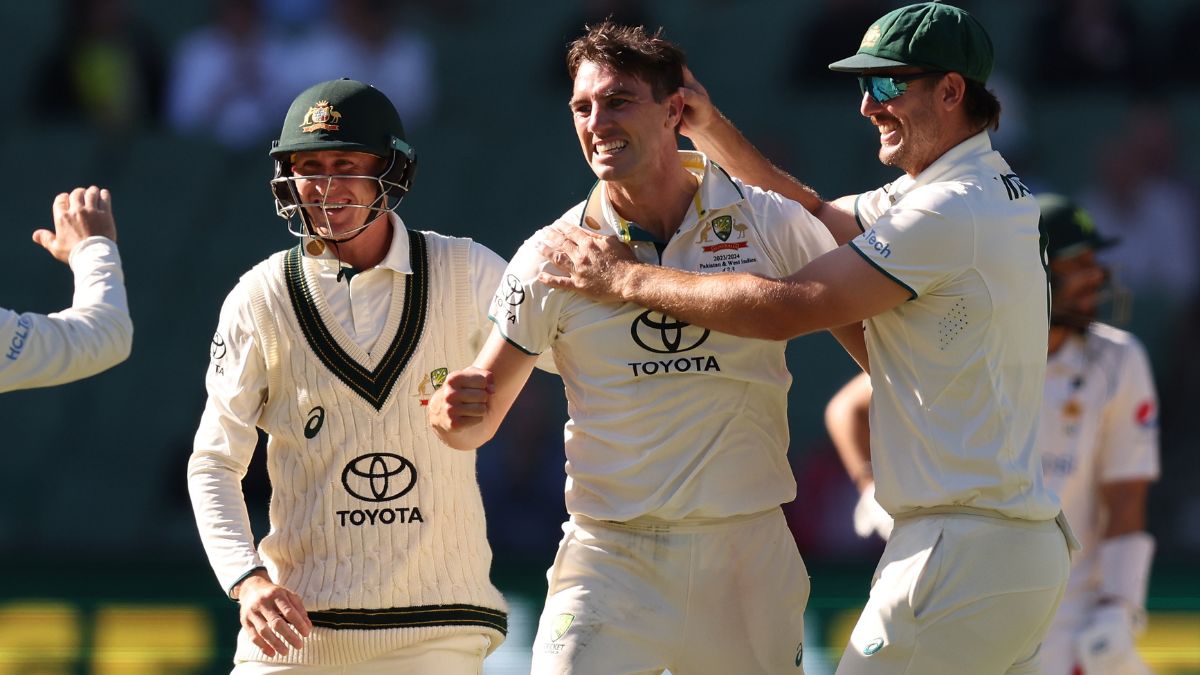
656 332
379 477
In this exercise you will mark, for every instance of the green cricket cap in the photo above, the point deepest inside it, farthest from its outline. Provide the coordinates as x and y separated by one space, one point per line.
341 114
930 35
1069 229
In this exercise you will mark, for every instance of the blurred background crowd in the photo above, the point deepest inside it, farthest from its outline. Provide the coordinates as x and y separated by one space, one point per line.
173 106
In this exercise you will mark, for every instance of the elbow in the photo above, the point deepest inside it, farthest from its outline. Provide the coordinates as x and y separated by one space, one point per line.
779 324
123 344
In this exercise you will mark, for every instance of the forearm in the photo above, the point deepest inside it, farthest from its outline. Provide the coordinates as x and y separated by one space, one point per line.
222 518
99 329
724 144
94 334
468 438
847 421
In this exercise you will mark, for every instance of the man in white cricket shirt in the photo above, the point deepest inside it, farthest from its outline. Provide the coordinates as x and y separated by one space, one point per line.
677 554
947 273
377 559
95 333
1098 437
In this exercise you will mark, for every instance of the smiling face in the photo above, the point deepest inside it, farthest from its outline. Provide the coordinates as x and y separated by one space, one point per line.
331 183
908 124
623 131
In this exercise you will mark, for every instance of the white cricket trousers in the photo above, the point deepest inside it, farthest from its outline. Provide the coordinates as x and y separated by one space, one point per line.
961 594
723 597
460 654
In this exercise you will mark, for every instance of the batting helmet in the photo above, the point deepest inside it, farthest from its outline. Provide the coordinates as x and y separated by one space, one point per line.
342 115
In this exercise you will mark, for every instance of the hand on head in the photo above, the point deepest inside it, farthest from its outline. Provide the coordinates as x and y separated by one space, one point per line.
698 108
82 213
591 264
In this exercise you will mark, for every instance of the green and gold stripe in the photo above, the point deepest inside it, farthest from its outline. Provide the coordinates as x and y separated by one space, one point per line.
410 617
373 385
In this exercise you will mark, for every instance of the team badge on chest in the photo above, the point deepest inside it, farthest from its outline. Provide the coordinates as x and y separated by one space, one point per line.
724 238
430 384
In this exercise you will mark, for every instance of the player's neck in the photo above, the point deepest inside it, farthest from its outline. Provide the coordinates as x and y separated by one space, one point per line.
656 206
369 248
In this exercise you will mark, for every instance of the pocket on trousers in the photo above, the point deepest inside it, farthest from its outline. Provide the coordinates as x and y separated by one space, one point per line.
927 576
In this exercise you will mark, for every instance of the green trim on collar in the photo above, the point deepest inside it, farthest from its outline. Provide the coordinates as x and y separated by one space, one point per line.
373 385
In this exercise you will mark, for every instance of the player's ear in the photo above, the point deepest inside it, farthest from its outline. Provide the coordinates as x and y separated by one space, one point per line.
674 109
952 89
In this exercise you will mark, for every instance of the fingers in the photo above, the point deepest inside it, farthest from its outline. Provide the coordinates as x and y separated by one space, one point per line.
293 611
60 205
276 620
462 401
474 381
91 198
557 258
565 283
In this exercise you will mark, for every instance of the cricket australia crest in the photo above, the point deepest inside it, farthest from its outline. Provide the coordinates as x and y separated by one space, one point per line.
437 377
722 226
320 117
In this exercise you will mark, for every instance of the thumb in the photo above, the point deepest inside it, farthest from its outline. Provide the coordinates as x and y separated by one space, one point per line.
43 238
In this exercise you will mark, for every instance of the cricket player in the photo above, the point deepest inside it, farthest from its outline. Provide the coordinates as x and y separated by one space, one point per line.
1098 438
95 333
947 272
676 554
377 560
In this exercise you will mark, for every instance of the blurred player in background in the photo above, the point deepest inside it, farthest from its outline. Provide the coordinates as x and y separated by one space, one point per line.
677 554
1098 437
947 274
95 333
377 559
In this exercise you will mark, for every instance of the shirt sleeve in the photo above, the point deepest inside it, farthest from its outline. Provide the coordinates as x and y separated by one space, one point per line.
794 236
526 311
91 336
1129 434
225 442
926 239
487 268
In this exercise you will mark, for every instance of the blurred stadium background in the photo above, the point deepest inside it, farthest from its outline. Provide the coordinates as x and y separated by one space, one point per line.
101 570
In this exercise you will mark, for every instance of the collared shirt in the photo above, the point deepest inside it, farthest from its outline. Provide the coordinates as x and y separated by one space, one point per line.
958 370
670 420
1099 425
93 334
237 394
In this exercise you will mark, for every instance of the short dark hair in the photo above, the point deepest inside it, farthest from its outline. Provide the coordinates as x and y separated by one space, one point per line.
982 106
631 50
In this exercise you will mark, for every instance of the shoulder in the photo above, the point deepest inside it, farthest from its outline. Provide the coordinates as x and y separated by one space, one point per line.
947 199
270 268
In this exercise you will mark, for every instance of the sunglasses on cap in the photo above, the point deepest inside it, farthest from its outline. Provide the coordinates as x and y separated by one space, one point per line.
884 88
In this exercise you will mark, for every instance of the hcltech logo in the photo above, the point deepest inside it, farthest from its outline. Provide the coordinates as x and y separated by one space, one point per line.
379 477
